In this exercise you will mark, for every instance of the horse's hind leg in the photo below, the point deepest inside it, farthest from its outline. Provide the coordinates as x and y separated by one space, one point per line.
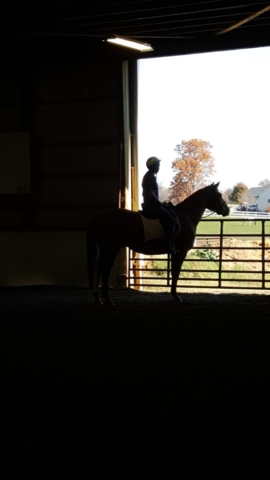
104 266
96 283
177 262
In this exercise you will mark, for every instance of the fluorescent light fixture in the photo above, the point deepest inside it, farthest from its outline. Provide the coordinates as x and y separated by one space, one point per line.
142 47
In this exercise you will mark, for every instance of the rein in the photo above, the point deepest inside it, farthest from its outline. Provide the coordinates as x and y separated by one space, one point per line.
206 216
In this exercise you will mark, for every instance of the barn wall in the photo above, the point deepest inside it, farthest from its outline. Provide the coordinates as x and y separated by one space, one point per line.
78 162
263 201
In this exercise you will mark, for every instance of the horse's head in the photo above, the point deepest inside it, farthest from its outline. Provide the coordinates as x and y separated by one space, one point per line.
215 202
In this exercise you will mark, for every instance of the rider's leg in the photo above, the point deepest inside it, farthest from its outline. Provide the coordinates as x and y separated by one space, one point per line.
151 208
169 224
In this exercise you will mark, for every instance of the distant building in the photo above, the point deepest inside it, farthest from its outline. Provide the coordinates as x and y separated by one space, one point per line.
261 197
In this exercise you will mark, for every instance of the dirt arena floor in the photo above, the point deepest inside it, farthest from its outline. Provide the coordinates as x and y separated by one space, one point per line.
148 389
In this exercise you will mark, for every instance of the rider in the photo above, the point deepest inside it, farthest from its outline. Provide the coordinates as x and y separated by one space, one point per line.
152 206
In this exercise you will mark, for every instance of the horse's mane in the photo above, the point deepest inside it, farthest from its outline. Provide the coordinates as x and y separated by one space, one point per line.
204 191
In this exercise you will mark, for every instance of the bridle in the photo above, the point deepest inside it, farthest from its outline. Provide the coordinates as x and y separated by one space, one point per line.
209 214
223 209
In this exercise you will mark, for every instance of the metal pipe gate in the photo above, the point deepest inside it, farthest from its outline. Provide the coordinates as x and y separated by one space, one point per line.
154 271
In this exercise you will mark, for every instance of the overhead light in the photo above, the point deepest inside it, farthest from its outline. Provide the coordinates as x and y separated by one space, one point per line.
142 47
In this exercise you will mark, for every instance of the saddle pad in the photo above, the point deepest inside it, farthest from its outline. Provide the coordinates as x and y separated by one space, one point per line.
152 228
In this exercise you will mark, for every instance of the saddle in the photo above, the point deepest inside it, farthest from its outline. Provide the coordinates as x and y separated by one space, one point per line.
152 228
155 225
153 214
148 214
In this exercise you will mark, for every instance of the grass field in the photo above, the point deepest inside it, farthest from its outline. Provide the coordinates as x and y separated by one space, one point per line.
232 226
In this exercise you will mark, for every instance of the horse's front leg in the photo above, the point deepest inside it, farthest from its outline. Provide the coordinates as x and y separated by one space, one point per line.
96 296
105 263
177 262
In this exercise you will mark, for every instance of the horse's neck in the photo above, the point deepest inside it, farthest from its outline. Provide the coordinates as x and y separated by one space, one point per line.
193 218
192 210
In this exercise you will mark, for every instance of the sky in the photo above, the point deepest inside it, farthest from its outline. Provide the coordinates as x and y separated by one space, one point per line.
220 97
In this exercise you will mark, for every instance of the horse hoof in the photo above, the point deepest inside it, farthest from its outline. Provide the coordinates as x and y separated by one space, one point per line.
110 302
177 298
98 301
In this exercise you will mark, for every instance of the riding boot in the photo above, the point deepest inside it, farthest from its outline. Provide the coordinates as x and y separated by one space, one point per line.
172 248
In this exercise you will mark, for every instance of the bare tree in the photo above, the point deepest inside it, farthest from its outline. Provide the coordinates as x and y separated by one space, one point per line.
192 168
264 183
248 198
163 192
226 194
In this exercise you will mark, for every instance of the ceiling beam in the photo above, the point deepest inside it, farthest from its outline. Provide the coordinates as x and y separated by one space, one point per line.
245 20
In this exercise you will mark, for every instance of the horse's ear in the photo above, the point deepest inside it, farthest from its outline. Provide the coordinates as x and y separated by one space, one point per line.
216 185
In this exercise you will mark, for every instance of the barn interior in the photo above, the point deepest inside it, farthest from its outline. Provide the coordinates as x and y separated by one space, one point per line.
149 388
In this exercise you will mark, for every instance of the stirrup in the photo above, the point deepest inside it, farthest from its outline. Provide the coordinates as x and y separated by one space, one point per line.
172 248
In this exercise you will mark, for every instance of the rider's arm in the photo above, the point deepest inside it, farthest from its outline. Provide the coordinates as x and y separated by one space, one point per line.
152 192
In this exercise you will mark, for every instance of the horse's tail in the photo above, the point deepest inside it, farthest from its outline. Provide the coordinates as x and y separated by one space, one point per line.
92 256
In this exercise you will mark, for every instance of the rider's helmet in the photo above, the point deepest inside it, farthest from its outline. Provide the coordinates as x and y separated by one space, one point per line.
152 161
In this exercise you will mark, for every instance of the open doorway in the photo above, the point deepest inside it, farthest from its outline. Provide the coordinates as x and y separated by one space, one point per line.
219 97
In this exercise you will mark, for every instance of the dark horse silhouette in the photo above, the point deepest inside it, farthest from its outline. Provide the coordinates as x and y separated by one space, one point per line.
110 231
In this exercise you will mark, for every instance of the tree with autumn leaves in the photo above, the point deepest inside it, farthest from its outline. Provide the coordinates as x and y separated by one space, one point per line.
192 168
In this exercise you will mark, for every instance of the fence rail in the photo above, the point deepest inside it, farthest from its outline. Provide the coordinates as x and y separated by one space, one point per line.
227 258
250 215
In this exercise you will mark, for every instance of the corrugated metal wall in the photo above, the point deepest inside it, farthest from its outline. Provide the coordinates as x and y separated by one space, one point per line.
75 119
76 137
78 158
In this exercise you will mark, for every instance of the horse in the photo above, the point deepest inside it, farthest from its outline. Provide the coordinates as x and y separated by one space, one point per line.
110 231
